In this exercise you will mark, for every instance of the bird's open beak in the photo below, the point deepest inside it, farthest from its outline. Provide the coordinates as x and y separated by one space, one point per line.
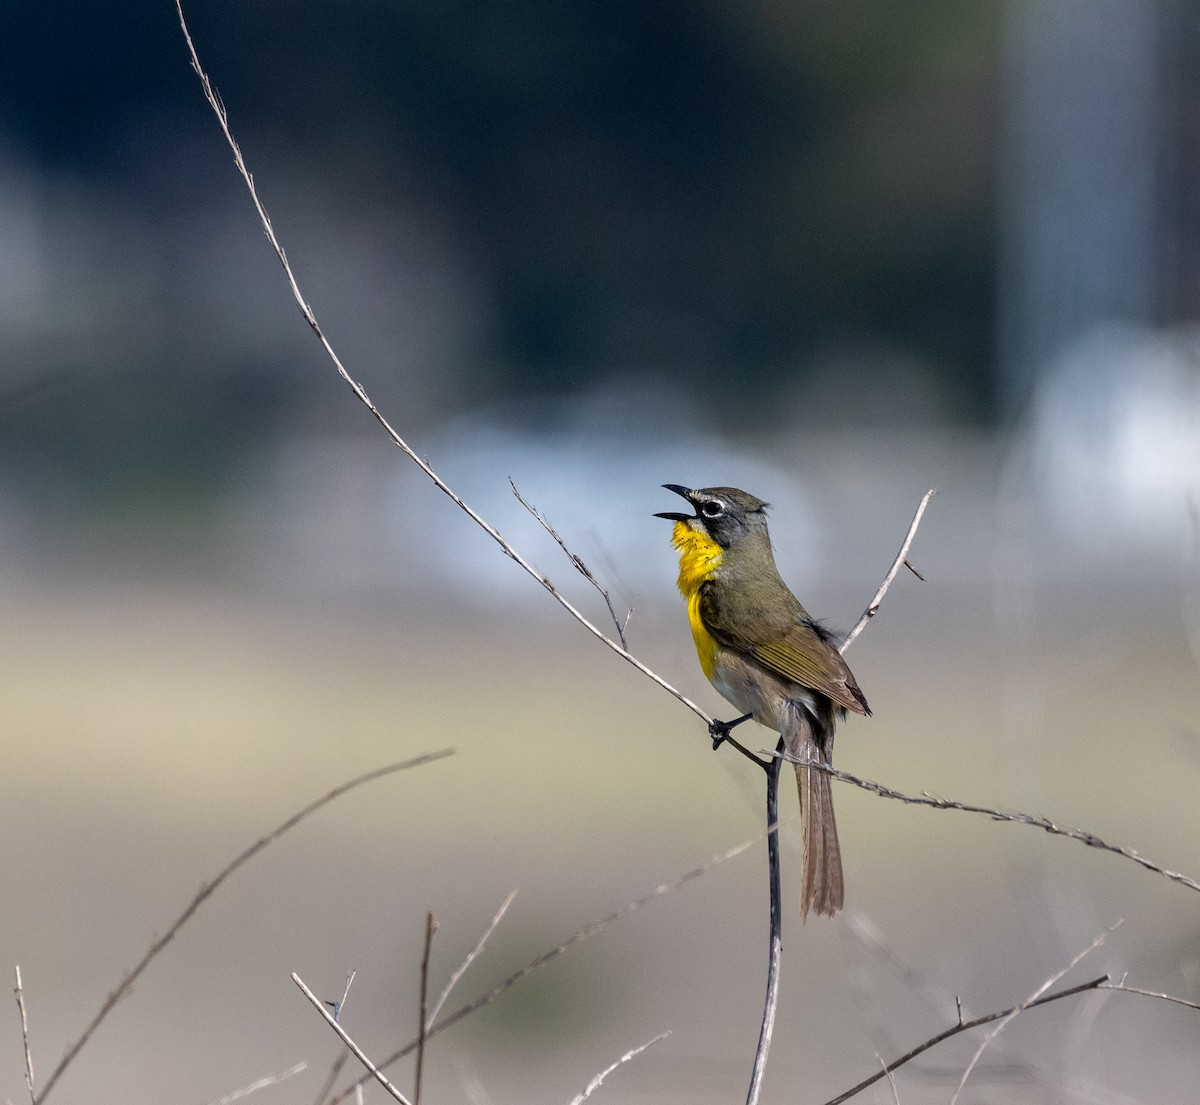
683 492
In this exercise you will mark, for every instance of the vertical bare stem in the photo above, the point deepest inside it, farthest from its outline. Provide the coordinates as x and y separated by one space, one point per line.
25 1039
430 929
776 950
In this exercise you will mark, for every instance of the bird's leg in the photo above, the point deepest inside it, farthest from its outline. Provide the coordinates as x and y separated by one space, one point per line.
719 730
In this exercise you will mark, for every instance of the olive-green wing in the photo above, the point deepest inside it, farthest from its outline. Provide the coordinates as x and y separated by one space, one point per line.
799 650
807 658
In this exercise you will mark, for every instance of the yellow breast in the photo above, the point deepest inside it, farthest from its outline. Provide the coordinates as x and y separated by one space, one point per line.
699 559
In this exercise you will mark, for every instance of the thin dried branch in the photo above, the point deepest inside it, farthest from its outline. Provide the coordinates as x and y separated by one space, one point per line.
423 1007
900 562
596 1082
359 1054
20 992
208 889
309 317
261 1084
1121 988
578 937
472 955
1016 1012
1014 817
578 563
962 1026
775 936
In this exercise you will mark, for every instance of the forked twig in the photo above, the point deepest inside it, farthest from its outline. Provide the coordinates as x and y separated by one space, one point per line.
962 1026
900 562
1004 1021
359 1054
207 890
578 937
633 1053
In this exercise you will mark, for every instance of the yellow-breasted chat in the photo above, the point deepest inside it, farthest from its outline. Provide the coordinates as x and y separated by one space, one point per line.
763 651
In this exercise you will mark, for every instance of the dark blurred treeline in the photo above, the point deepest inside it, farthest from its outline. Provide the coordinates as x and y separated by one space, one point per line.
741 196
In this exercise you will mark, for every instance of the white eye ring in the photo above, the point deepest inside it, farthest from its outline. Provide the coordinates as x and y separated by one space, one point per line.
712 508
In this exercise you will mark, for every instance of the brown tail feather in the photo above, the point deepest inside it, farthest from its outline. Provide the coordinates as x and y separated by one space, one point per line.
822 888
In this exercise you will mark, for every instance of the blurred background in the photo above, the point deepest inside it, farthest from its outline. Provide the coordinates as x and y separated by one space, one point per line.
835 254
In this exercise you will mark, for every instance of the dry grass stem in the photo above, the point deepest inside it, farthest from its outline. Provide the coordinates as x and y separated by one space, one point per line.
208 889
1121 988
332 1076
472 955
262 1084
595 1083
578 937
29 1083
359 1054
1012 1015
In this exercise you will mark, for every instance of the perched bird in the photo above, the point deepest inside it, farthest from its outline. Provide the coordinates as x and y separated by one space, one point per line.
763 651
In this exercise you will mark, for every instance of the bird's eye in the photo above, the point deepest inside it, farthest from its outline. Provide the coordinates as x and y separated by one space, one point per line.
712 508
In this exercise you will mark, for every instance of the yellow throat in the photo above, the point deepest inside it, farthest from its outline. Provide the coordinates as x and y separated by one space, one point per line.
699 558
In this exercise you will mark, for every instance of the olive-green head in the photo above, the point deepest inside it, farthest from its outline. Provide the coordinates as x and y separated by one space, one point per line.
725 514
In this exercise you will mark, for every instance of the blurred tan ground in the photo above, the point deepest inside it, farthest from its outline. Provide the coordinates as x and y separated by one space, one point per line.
153 730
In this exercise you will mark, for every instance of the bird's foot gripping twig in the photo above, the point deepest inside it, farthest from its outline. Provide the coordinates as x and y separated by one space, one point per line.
719 730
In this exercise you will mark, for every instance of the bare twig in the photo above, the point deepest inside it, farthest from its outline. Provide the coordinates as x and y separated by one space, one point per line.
775 938
423 1007
261 1084
900 562
359 1054
207 890
578 937
596 1082
19 991
1018 1010
309 317
1018 818
1121 988
472 955
962 1026
577 561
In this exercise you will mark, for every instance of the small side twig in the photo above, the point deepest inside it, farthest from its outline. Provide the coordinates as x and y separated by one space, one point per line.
1012 1014
359 1054
208 889
596 1082
20 992
423 1004
472 955
577 561
901 561
261 1084
962 1026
